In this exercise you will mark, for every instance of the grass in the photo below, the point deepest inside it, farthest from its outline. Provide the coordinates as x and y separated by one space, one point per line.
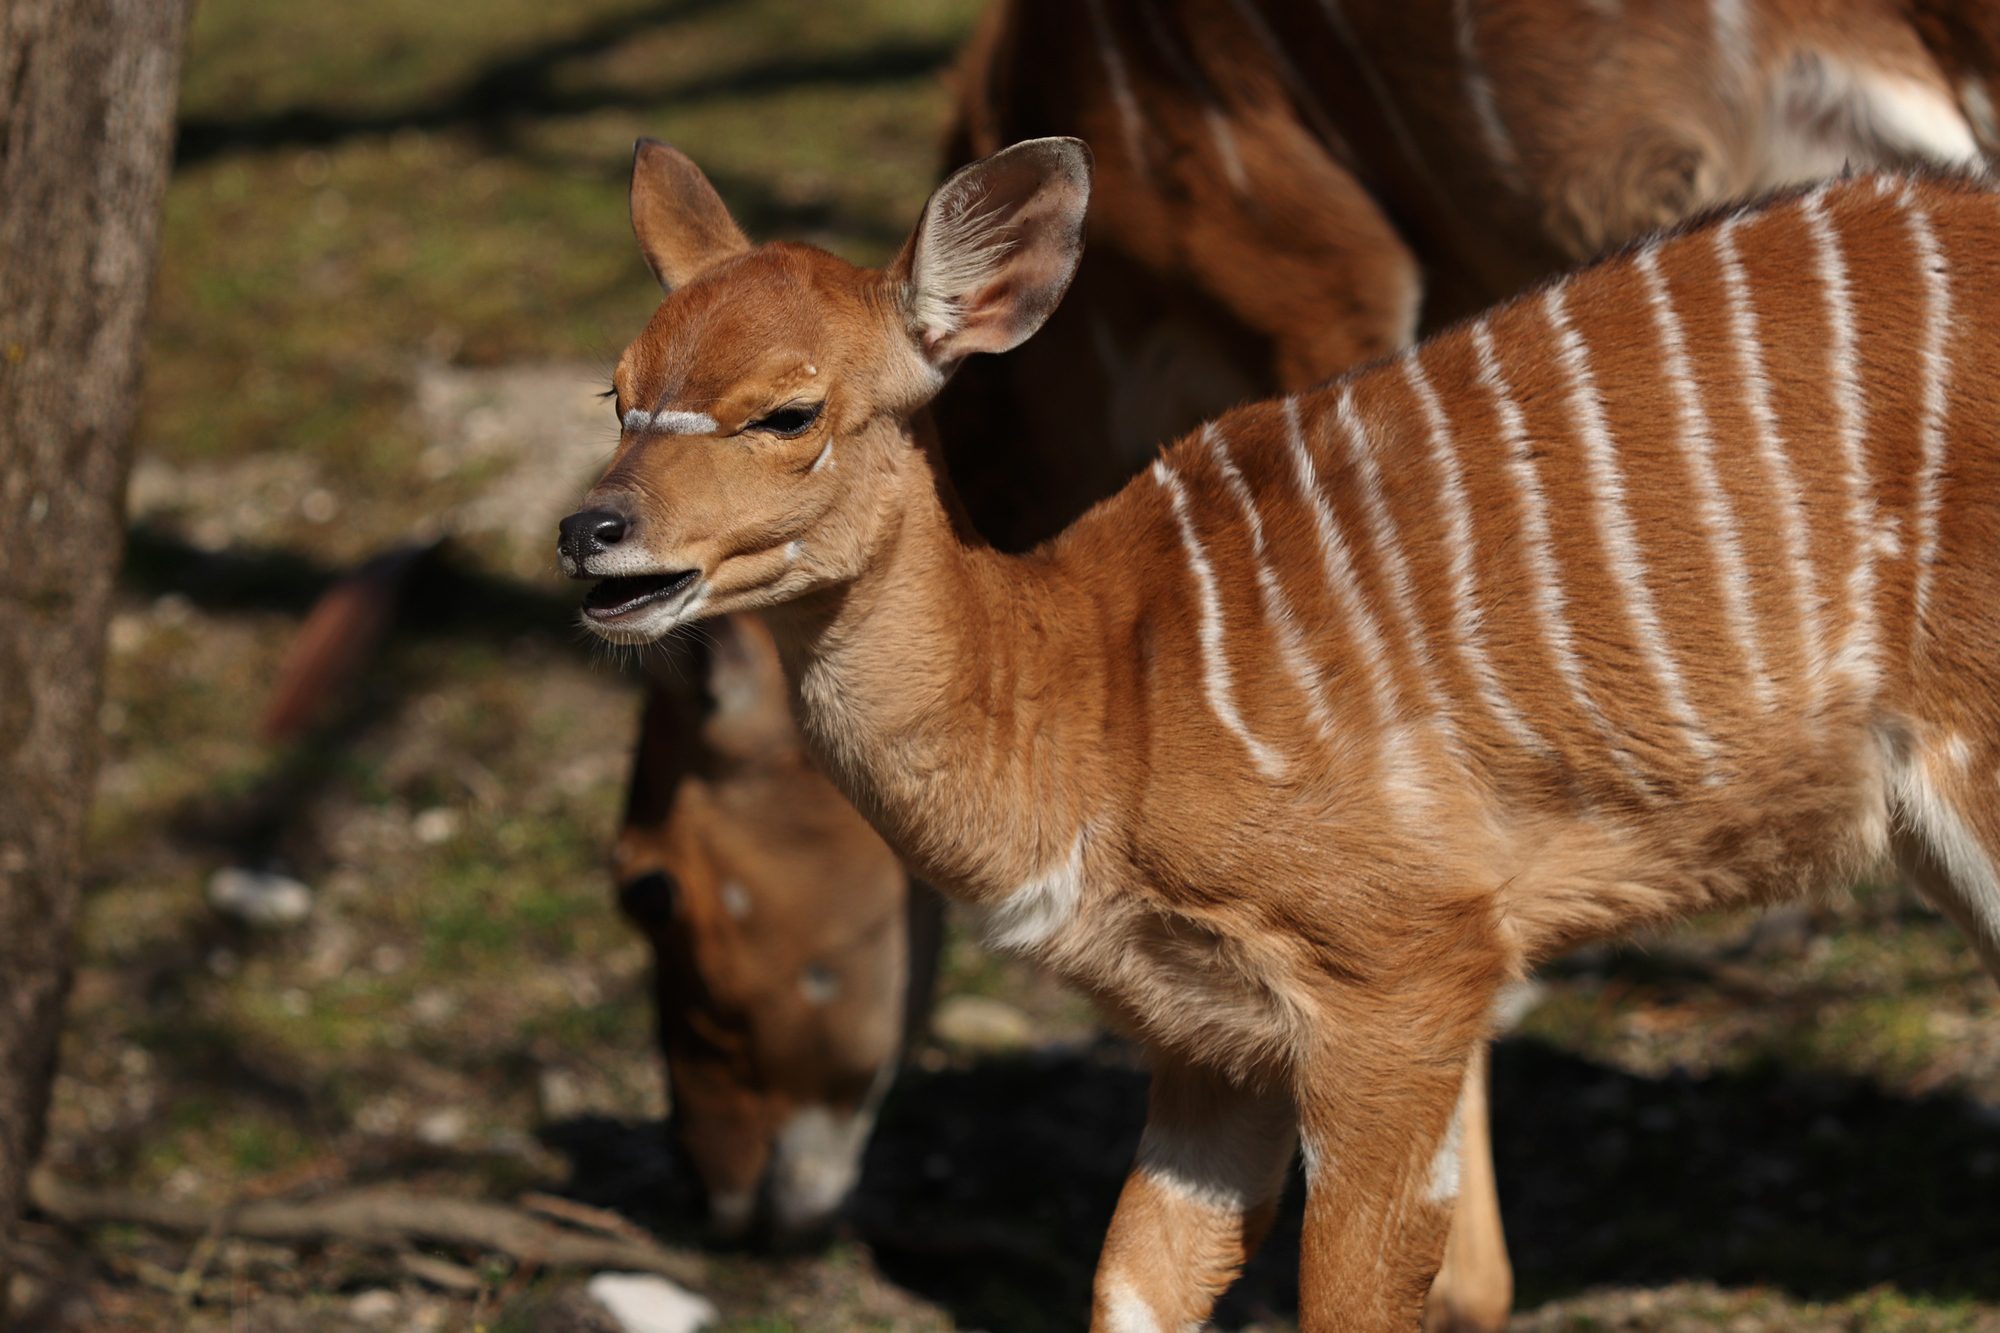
374 195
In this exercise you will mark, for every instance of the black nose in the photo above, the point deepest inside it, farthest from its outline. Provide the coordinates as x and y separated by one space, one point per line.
589 533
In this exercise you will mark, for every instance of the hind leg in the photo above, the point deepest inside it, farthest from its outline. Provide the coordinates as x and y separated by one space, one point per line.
1948 844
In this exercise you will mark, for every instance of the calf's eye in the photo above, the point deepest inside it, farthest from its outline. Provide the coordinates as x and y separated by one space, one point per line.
789 421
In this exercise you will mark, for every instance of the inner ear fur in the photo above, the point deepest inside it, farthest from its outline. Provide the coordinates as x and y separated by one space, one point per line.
681 222
996 249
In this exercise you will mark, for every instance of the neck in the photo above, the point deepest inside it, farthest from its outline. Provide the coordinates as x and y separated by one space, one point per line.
927 689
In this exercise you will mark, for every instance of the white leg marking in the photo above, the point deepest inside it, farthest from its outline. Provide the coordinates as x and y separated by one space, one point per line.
1550 603
1937 370
1337 565
1614 525
1130 126
1216 680
1466 619
1792 517
1305 674
1479 94
1127 1309
1856 655
1974 879
1713 508
1032 914
1396 568
1217 1171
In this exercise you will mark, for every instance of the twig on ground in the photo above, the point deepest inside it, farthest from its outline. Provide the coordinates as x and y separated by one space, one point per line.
386 1218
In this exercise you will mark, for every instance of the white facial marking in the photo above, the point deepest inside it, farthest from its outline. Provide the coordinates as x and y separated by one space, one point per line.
825 458
816 1159
818 984
1032 914
1216 681
666 422
793 550
1442 1186
735 899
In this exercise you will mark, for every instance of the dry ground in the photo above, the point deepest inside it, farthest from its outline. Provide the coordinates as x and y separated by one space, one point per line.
396 268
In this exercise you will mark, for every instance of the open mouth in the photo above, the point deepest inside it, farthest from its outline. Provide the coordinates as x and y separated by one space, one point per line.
609 599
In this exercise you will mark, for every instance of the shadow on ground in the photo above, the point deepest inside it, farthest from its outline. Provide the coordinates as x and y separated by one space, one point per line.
989 1188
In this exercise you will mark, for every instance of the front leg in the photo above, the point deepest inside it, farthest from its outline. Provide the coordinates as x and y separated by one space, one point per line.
1198 1201
1383 1129
1474 1291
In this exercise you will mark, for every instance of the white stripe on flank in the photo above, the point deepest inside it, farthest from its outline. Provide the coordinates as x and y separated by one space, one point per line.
1396 568
1937 370
1306 676
1713 507
1614 524
1337 564
1770 446
1550 603
1464 574
1857 651
1214 659
1479 93
665 422
1120 80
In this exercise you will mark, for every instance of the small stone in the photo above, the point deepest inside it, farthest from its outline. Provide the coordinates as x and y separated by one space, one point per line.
374 1307
974 1022
561 1095
259 898
443 1128
435 825
319 505
643 1303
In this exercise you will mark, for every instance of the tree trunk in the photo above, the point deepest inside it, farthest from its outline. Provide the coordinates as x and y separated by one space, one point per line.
86 120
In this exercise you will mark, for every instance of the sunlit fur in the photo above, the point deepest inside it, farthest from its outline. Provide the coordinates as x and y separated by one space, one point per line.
1335 933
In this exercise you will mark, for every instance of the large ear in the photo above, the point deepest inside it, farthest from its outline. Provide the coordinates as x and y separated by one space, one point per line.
996 249
678 217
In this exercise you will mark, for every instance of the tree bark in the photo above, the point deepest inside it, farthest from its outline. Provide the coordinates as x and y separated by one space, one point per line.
86 119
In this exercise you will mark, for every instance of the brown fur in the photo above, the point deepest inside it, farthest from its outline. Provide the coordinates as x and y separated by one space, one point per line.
1049 729
1309 233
